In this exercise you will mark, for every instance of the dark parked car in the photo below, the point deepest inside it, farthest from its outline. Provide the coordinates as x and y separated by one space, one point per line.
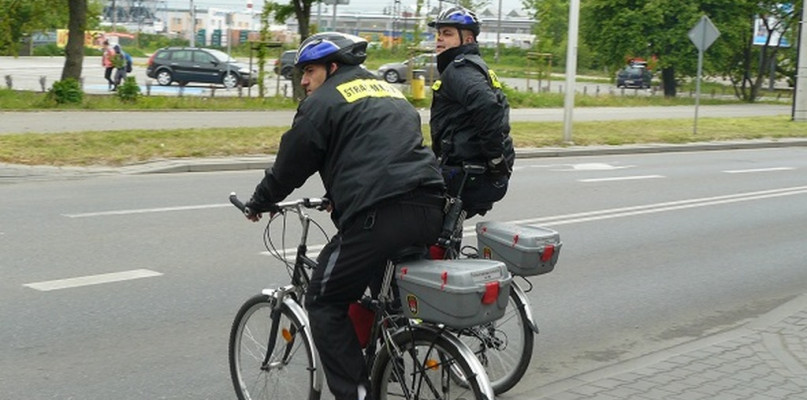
634 76
398 72
191 64
284 66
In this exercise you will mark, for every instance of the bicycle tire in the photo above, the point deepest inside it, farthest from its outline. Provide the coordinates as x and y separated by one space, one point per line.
395 375
504 347
291 374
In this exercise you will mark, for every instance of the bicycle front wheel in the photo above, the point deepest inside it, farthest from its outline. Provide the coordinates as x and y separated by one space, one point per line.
422 364
504 347
289 370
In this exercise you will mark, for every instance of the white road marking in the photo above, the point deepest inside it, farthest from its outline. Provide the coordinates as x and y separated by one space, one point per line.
597 167
620 178
651 208
46 286
145 210
747 171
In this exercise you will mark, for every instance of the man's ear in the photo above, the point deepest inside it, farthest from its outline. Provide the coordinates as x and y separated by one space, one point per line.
468 37
332 68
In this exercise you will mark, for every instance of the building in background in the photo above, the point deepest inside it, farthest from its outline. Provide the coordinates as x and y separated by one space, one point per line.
220 26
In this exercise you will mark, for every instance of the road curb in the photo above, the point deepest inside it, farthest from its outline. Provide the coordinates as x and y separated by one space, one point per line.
265 161
262 162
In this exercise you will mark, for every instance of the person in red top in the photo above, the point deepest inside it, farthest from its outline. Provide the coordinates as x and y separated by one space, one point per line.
106 61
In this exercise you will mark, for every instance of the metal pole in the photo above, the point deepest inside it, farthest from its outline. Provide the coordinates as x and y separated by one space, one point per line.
114 17
800 101
498 32
193 25
319 15
698 83
333 20
571 69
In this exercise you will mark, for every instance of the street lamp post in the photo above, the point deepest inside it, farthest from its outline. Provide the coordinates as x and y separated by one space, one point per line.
498 32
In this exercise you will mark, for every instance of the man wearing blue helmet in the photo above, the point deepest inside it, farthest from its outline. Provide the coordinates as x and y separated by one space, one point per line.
470 116
364 139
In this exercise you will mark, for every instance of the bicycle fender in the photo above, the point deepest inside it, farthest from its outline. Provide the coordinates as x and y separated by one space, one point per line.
302 316
524 303
468 354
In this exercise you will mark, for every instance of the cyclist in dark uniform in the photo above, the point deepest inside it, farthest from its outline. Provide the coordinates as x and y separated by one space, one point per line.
470 116
364 139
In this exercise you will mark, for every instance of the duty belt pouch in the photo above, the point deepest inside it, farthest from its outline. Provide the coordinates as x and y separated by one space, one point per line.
479 192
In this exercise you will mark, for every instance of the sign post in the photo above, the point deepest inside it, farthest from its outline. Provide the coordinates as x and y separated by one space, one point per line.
702 35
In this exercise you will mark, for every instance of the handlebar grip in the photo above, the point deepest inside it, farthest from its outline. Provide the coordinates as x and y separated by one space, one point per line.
273 208
237 203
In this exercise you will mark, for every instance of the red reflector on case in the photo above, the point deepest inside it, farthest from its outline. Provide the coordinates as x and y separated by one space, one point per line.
549 251
437 252
491 293
444 278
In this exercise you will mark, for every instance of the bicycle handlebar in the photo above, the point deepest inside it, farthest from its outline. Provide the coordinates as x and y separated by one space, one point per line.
307 202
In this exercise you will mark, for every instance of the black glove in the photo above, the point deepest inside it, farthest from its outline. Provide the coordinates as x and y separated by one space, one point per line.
499 166
257 205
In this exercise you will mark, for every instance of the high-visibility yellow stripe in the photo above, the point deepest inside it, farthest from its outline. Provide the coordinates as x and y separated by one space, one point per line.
362 88
494 79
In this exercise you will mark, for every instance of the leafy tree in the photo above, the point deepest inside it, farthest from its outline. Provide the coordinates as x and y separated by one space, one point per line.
553 23
748 65
301 9
620 29
74 51
623 29
24 17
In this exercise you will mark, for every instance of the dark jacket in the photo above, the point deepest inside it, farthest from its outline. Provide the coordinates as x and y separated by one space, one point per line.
364 139
470 116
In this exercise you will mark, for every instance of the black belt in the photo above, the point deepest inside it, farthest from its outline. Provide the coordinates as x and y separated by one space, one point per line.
422 196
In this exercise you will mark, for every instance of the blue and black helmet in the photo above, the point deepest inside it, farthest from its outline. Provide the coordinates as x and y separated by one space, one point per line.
327 47
458 17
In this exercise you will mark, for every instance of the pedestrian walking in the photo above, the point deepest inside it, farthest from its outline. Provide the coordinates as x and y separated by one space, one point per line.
120 63
106 61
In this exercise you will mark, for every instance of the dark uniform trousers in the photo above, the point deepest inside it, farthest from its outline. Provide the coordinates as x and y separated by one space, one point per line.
355 259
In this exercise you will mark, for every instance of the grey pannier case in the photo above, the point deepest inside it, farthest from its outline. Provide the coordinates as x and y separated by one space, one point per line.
457 293
526 250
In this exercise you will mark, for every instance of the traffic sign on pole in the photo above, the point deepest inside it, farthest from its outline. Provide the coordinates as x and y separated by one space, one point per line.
703 34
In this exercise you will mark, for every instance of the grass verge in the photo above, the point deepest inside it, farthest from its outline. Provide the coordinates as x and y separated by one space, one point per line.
136 146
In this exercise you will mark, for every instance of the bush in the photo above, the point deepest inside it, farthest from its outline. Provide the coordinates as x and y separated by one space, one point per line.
66 91
129 91
50 49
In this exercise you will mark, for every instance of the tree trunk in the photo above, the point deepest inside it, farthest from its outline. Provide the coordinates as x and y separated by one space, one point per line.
302 10
668 80
74 51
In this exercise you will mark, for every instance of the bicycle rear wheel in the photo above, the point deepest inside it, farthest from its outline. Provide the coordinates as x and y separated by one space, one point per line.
504 347
290 371
421 364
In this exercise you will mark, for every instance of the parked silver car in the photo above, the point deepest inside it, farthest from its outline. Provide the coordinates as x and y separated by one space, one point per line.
399 72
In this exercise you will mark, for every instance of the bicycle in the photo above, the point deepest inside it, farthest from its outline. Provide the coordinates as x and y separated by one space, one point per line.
272 354
505 346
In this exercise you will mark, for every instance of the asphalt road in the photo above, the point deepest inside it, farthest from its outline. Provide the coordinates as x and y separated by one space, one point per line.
658 249
78 121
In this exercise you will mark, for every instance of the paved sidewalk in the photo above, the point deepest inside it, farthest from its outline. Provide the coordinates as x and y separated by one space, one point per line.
764 360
